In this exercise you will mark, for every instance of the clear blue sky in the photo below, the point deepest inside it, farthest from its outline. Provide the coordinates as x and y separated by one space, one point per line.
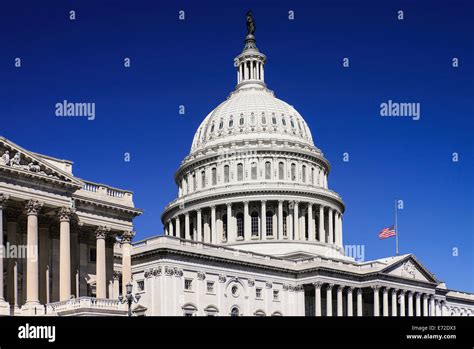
191 63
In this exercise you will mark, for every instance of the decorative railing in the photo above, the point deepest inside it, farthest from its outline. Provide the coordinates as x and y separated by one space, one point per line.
82 303
107 192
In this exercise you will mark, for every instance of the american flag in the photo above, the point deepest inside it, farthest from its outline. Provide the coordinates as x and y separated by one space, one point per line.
387 232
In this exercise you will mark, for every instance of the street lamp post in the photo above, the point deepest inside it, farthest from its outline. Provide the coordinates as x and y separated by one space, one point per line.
129 298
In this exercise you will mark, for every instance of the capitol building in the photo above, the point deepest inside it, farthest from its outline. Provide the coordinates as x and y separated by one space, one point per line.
255 229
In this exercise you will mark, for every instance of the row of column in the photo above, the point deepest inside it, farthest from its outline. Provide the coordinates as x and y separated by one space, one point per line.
33 208
327 220
250 70
430 307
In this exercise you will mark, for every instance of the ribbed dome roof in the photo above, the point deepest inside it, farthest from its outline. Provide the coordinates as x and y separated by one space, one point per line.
249 113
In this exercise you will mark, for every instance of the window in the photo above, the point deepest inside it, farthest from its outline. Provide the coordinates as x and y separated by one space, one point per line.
231 123
274 120
252 119
283 121
92 254
210 287
189 310
264 119
303 174
240 172
240 224
224 227
226 174
141 285
285 225
203 179
281 170
269 223
254 223
312 175
194 181
276 295
214 176
254 170
292 123
211 311
268 170
293 172
241 121
259 313
221 125
212 128
234 311
188 284
258 293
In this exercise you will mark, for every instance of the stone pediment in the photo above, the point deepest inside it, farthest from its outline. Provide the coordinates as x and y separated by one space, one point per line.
14 158
410 268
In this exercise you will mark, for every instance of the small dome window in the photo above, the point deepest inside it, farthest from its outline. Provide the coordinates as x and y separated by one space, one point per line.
264 119
252 119
221 125
292 123
283 121
274 120
212 128
299 125
241 121
231 122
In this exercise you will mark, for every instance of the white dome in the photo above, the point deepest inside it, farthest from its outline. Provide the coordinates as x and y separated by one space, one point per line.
249 113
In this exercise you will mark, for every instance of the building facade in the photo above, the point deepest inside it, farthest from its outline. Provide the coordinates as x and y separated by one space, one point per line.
256 230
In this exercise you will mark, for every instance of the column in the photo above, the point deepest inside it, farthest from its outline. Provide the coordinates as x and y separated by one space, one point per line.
187 232
230 230
394 303
432 311
199 225
101 281
247 228
340 288
418 304
385 301
329 299
402 302
170 227
178 226
317 294
425 305
12 224
340 230
32 292
280 219
322 233
116 285
331 232
410 303
264 220
336 228
350 306
213 225
376 289
4 306
64 253
311 233
296 220
359 302
127 237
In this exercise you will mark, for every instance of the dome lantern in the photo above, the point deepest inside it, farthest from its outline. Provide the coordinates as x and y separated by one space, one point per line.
250 62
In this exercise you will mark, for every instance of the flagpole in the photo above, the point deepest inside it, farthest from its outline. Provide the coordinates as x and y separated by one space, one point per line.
396 229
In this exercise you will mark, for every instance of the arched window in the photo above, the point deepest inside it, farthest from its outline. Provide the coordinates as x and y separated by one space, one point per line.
234 311
293 172
268 170
283 120
221 124
231 123
203 179
224 227
303 174
211 311
292 123
252 119
264 119
259 313
274 120
269 223
214 175
194 181
277 313
226 174
241 121
212 128
240 224
281 170
254 170
254 223
285 225
240 172
189 309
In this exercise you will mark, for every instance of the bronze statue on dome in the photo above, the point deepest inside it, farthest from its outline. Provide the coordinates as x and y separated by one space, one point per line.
250 23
